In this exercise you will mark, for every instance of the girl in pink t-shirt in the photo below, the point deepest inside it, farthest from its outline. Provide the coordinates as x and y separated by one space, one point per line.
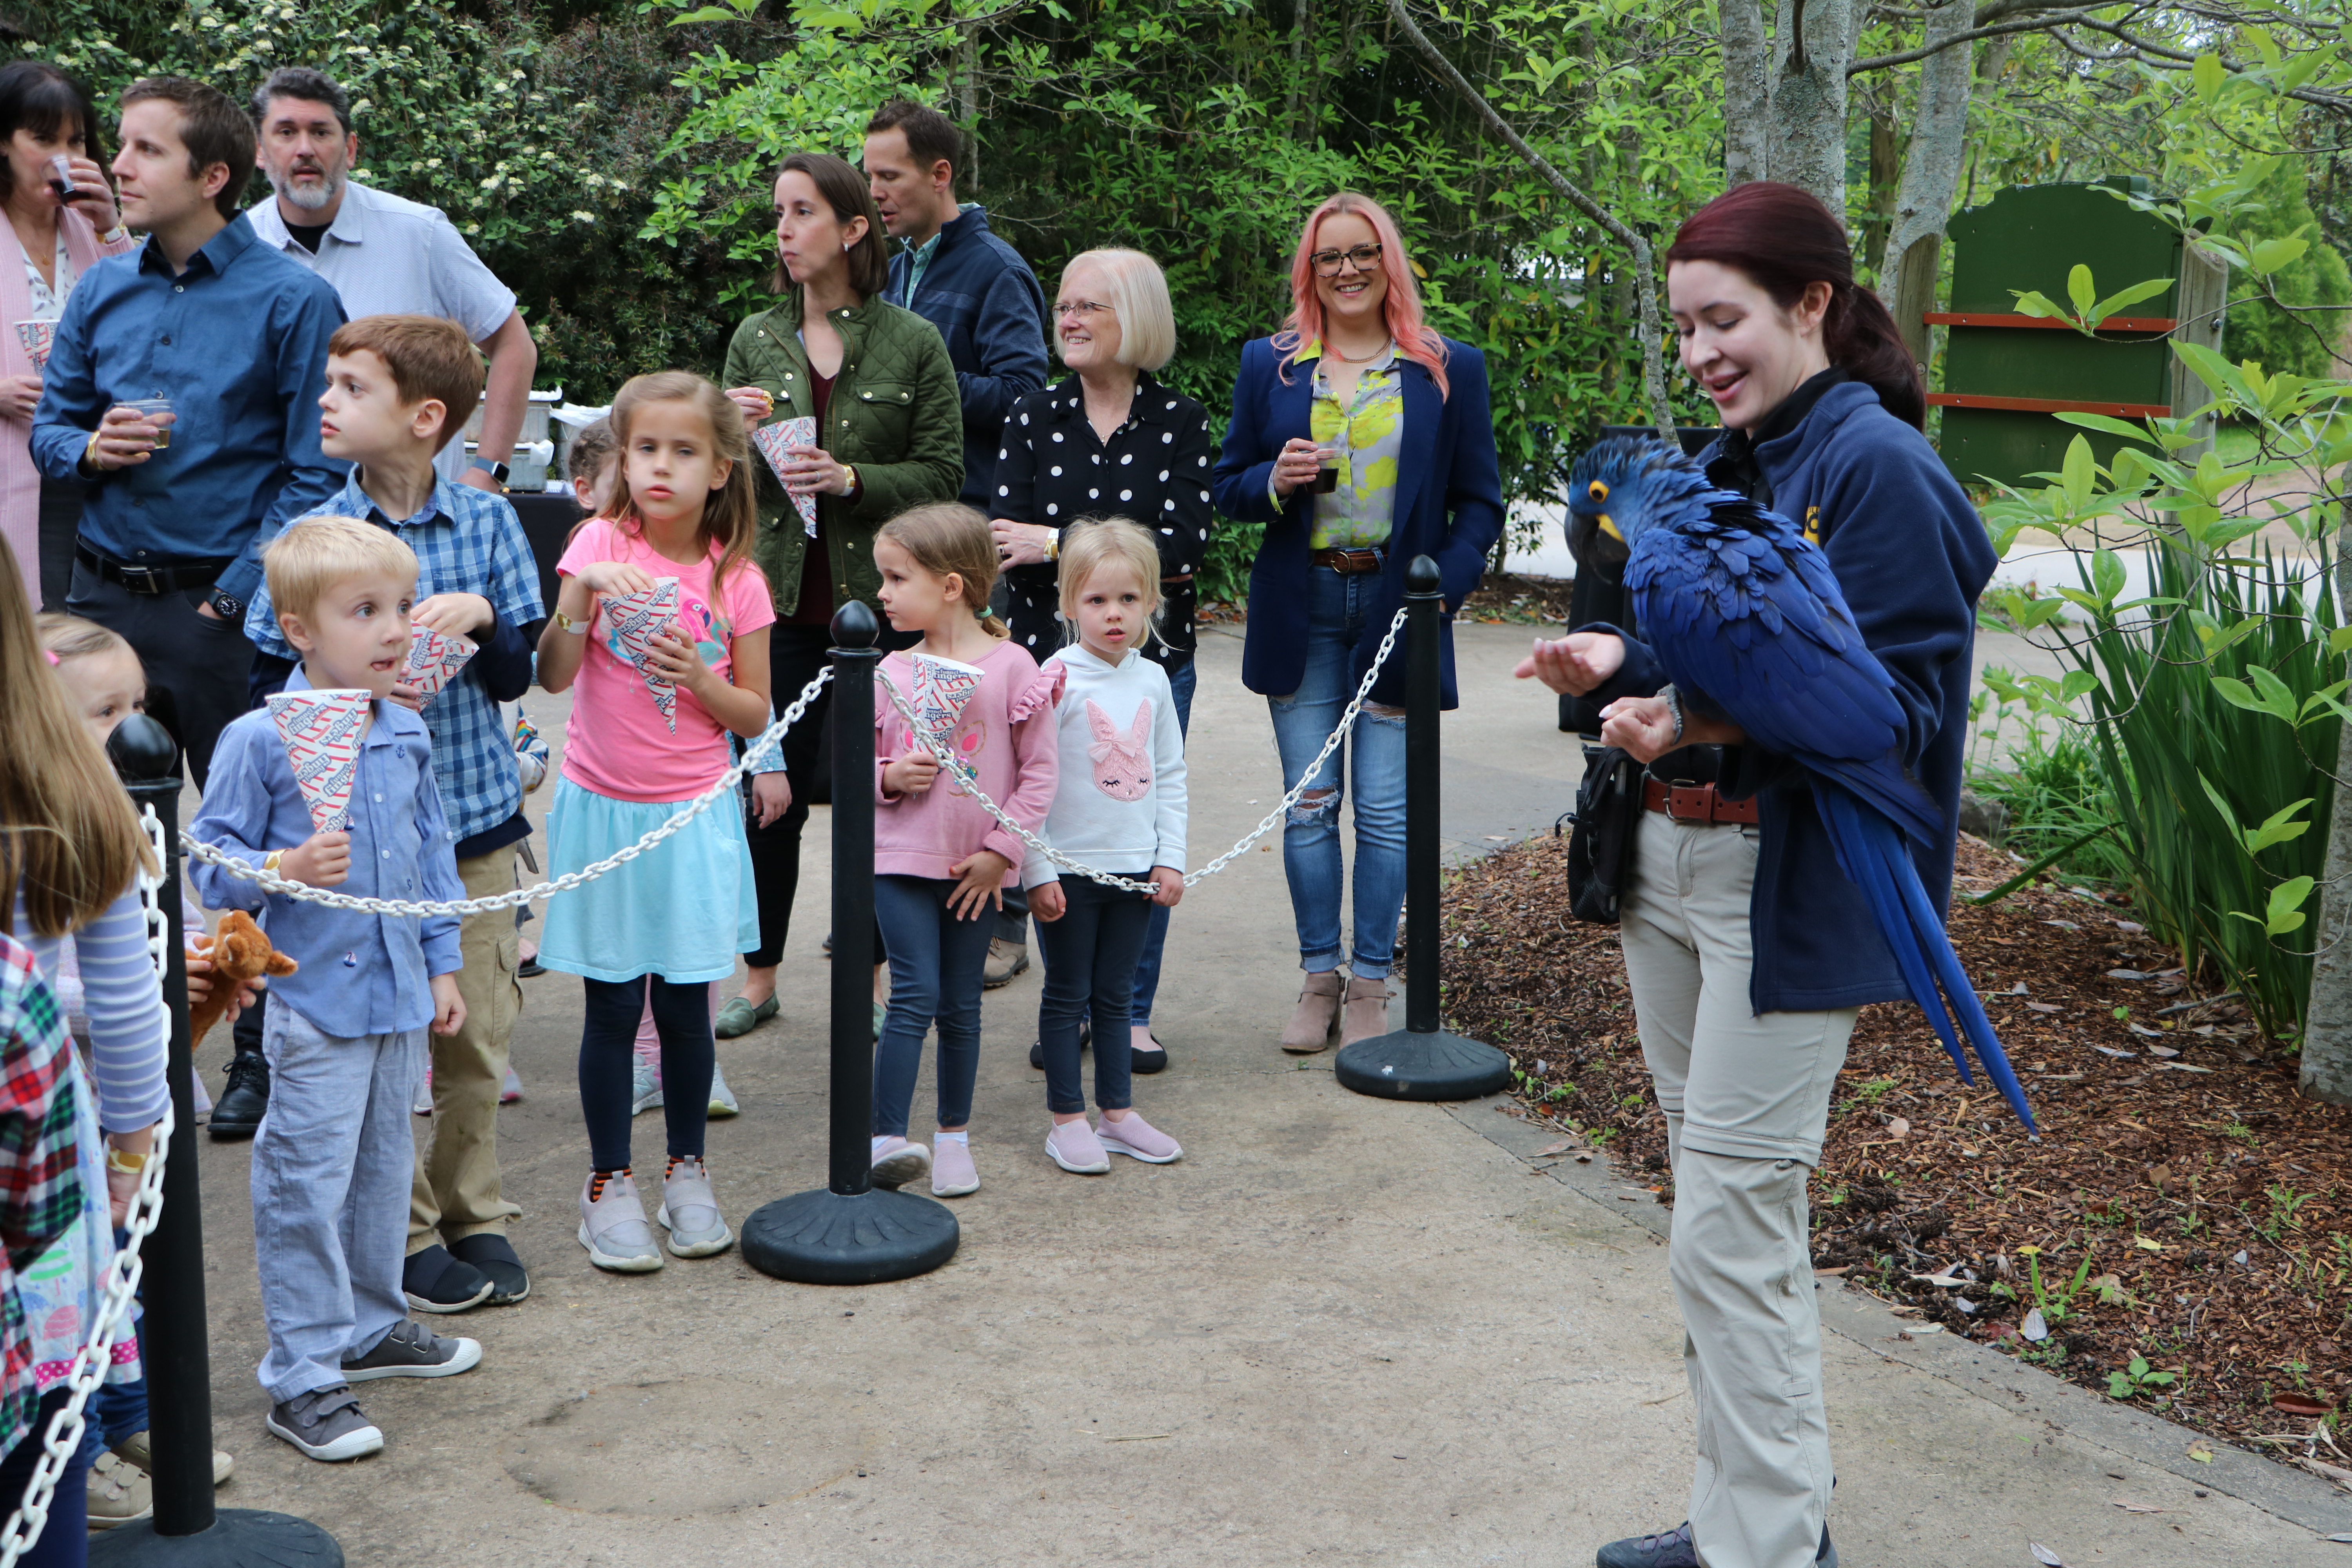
661 688
940 860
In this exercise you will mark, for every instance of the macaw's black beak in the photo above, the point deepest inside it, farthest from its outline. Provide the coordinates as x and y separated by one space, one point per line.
1593 538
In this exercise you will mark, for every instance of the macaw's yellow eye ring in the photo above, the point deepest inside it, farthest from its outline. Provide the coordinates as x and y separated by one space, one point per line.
1597 491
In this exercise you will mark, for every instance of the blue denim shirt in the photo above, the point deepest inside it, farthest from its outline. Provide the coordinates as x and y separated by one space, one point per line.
360 974
238 343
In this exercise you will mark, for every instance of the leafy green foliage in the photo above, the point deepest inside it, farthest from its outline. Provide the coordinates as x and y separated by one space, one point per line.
2138 1378
2300 270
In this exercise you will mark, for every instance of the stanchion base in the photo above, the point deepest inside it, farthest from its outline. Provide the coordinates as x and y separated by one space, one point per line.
1407 1066
824 1238
239 1538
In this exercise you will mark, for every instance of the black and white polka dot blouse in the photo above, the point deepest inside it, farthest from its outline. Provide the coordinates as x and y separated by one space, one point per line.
1154 471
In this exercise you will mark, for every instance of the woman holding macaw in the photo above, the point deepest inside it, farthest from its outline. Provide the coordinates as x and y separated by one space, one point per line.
1792 866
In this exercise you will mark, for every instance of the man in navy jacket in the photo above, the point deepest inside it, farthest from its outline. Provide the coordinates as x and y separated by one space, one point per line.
975 289
960 277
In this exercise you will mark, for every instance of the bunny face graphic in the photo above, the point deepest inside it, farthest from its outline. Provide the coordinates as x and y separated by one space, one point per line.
1122 763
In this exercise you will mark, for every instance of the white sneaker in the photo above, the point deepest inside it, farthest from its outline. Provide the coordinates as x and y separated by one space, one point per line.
722 1098
898 1161
424 1106
613 1227
644 1086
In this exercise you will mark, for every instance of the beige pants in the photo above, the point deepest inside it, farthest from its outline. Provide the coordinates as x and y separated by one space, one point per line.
455 1194
1746 1100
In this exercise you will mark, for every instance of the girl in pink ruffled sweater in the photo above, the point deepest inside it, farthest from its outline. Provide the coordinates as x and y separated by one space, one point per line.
940 860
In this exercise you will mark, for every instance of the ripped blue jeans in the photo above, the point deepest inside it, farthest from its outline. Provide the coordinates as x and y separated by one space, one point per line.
1372 761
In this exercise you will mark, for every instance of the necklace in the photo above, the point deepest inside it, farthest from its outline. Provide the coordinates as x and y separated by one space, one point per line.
1351 359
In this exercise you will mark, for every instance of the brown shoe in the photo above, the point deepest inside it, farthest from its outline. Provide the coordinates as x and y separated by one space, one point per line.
1005 959
1319 1008
1367 1013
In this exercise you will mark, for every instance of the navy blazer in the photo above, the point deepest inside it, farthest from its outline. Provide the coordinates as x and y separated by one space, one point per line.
1449 507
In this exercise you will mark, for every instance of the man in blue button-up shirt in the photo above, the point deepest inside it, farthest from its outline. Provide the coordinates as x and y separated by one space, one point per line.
233 335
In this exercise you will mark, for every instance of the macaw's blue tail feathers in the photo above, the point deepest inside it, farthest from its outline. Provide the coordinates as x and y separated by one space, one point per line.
1874 856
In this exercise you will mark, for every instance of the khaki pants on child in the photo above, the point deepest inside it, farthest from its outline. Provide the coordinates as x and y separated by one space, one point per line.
1746 1100
456 1191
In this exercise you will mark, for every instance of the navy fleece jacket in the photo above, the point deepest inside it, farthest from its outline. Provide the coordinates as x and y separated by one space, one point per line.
1912 556
986 303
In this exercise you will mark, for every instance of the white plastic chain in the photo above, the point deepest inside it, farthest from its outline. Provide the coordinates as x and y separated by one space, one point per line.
92 1362
305 893
772 736
950 764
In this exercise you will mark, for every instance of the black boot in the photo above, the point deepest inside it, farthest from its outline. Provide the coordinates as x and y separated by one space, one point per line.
237 1112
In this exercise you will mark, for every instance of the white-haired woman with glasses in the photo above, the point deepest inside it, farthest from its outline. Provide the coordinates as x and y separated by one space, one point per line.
1109 441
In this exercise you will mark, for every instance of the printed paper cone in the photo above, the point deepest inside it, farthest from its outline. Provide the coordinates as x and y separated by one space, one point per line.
433 660
322 730
634 620
771 440
942 689
39 337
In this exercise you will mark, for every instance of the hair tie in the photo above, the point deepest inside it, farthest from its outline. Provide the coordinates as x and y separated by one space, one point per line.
983 613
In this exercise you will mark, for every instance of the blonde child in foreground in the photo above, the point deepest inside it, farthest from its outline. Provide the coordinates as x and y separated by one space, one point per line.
334 1157
665 925
939 859
1121 809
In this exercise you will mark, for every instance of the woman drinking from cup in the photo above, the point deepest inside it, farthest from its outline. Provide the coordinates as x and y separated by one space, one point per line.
1109 441
1361 438
888 436
61 221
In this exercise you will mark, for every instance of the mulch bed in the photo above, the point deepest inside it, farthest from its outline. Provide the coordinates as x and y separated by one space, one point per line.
2208 1199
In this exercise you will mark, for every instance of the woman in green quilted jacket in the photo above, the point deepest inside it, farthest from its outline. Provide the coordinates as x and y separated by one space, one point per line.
875 381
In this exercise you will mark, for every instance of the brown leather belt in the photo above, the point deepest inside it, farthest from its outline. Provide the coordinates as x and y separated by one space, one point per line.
1694 803
1350 562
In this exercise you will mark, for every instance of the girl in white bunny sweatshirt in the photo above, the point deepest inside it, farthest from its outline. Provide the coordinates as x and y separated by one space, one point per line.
1119 807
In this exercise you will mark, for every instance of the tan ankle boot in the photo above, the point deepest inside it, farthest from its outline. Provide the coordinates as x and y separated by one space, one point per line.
1319 1007
1366 1011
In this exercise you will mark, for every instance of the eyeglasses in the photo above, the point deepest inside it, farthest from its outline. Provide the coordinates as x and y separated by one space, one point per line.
1327 262
1081 309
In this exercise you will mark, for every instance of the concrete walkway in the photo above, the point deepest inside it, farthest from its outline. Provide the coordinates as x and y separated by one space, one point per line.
1341 1331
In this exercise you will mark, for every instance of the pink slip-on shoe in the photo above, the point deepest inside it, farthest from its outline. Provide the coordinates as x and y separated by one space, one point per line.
1138 1140
1072 1146
952 1172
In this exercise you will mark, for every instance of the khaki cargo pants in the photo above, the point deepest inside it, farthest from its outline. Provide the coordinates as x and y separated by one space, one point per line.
456 1191
1746 1100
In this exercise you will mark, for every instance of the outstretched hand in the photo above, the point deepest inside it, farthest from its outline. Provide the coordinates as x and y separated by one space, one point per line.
1575 664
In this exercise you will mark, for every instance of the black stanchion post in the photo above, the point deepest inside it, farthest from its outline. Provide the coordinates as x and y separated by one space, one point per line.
851 1232
185 1529
1422 1061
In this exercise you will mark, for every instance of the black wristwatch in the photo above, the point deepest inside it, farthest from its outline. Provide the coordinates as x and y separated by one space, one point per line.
498 471
228 606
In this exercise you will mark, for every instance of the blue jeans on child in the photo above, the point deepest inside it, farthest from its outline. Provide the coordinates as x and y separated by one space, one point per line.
1372 760
936 961
332 1167
1183 681
1090 964
65 1539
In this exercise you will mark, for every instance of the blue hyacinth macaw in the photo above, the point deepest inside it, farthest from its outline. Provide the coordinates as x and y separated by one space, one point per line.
1745 613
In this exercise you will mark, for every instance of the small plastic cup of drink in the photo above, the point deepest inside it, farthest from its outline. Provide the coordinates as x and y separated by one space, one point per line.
155 411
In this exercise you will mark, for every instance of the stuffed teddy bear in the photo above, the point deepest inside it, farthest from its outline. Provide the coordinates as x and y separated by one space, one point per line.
240 952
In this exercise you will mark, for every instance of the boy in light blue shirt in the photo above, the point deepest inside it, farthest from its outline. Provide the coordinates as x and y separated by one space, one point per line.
345 1040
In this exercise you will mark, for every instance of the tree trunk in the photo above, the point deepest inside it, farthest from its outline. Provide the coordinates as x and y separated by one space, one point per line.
1931 175
1747 93
1813 41
1886 169
2327 1030
1300 109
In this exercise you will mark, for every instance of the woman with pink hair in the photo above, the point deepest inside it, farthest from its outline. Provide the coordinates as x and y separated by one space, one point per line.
1361 438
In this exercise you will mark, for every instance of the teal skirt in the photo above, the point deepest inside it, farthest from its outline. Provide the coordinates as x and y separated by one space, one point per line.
683 910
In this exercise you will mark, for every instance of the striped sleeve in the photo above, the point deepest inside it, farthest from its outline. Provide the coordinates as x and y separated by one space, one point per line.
124 1001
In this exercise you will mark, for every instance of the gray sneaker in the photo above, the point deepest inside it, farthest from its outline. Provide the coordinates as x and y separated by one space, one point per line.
411 1350
689 1210
722 1098
613 1226
644 1086
326 1424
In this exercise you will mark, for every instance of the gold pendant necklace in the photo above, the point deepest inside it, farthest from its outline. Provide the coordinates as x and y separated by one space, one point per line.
1350 359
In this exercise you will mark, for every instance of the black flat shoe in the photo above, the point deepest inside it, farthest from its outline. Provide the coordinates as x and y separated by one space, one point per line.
1151 1061
493 1256
531 969
238 1111
1674 1549
433 1281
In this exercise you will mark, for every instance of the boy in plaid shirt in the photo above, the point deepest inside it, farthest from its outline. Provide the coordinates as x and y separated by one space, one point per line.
398 390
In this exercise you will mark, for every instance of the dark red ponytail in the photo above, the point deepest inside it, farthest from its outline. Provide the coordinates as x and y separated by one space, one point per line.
1783 238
